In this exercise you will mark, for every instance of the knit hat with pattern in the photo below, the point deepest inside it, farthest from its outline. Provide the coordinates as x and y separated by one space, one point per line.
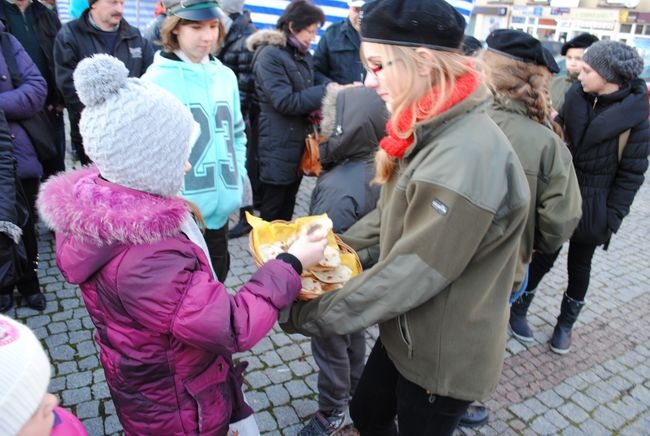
24 375
138 134
614 61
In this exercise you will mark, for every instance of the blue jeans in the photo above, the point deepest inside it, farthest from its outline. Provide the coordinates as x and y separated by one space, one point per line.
514 295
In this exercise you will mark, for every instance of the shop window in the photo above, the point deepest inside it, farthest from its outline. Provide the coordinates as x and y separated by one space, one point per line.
647 30
639 29
626 28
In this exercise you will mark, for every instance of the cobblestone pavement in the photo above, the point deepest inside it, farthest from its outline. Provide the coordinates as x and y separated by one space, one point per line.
601 387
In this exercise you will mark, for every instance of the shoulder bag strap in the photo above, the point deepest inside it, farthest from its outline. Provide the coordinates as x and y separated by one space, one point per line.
7 51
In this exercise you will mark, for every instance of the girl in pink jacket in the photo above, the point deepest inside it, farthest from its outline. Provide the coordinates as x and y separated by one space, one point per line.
165 328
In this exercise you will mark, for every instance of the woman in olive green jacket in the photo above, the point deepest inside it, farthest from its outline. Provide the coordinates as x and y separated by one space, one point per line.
448 223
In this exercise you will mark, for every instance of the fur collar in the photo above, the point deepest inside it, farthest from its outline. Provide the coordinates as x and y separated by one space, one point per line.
328 109
266 37
80 204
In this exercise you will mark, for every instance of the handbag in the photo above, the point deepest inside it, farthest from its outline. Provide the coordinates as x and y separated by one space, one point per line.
38 127
310 162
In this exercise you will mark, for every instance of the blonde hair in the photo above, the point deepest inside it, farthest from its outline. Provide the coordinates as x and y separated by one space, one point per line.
196 214
408 86
524 82
170 39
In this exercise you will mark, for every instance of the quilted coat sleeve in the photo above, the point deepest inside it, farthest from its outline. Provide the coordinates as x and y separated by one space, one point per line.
272 73
169 292
28 97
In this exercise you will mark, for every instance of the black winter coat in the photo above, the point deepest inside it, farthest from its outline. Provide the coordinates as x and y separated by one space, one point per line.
238 58
337 54
78 39
47 25
286 95
354 121
592 127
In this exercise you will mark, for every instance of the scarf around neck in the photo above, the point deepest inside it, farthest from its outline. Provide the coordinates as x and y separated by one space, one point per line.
293 41
395 144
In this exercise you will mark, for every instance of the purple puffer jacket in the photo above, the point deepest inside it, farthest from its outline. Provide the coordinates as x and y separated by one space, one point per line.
166 330
22 102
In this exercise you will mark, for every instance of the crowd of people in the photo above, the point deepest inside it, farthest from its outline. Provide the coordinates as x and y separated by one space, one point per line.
205 116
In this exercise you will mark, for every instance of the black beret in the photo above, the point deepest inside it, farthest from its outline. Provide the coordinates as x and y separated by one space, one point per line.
583 40
417 23
521 46
471 45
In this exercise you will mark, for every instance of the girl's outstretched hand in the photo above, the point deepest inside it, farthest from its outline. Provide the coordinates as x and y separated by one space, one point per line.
309 247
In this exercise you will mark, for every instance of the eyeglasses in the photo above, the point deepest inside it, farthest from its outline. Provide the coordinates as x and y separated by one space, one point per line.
377 68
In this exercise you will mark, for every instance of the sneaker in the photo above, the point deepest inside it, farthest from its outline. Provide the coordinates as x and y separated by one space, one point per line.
323 423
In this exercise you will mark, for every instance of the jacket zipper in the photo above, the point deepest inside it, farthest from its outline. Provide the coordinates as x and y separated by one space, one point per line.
405 333
595 103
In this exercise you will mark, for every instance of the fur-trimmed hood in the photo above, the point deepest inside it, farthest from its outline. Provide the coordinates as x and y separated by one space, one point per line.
266 37
354 121
82 205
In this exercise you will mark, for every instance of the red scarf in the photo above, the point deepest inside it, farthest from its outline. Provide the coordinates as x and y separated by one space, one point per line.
395 145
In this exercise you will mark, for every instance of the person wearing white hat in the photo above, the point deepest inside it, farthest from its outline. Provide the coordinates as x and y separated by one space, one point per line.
337 54
26 408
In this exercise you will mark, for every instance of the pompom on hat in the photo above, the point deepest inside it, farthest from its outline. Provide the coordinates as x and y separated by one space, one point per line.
138 134
614 61
416 23
24 375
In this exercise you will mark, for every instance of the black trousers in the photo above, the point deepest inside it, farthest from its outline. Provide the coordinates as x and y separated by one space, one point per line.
76 139
56 164
217 242
278 201
29 284
578 268
383 393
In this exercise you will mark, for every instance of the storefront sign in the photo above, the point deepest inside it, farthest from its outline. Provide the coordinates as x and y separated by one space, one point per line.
584 14
565 3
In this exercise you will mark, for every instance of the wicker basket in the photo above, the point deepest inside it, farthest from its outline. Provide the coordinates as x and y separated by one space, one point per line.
305 295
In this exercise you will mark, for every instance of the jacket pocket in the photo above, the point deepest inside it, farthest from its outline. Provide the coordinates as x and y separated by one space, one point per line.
405 333
213 396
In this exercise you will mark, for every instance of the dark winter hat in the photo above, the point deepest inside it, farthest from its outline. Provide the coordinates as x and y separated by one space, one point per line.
418 23
583 40
193 10
614 61
521 46
471 45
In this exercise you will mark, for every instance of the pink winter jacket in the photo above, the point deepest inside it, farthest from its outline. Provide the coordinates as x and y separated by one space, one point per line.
166 330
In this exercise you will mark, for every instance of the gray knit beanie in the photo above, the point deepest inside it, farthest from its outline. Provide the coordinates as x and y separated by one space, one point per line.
232 6
614 61
138 134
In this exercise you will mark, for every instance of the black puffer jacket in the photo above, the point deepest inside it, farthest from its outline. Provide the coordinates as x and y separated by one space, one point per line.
238 58
593 125
337 54
354 121
286 95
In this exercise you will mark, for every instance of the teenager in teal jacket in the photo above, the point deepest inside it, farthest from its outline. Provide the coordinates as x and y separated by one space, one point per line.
209 89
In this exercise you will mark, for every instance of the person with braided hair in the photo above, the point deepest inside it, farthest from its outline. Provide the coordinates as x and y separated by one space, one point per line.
520 73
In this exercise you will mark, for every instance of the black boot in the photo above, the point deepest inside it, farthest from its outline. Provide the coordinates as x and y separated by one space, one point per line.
6 302
561 339
242 227
518 324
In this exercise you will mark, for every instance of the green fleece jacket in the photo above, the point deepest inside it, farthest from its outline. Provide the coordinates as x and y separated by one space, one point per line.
556 204
448 225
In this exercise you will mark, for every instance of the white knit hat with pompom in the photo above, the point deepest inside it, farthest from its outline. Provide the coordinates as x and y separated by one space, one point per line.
138 134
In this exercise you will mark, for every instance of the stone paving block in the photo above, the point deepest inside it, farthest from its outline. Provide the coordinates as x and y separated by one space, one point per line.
543 426
57 327
87 323
285 416
112 424
62 352
522 411
280 339
99 375
94 426
34 322
75 396
536 406
639 427
66 292
88 409
300 369
74 324
79 336
79 379
573 412
550 398
53 341
86 348
298 388
584 401
61 316
57 384
576 382
573 431
264 345
64 368
100 390
564 390
304 408
558 420
279 374
70 303
108 406
257 400
626 410
257 379
271 358
254 363
641 393
41 333
265 421
594 428
278 395
602 393
290 352
619 383
312 382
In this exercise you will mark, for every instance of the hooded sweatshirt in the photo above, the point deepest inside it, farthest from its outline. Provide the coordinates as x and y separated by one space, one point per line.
218 158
